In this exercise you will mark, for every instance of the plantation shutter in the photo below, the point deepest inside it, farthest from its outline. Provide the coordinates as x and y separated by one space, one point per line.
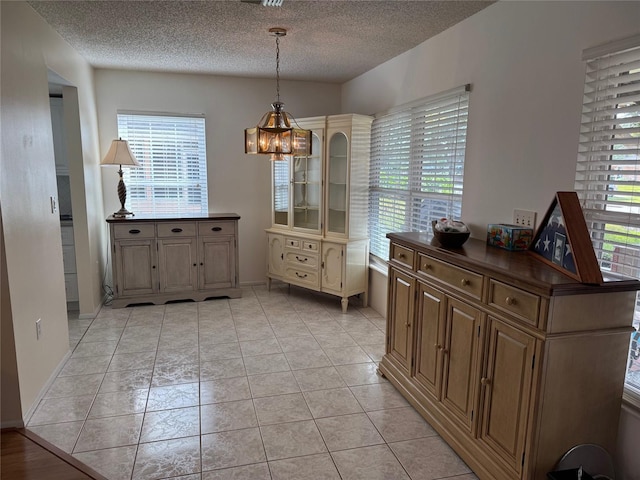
608 169
172 177
417 166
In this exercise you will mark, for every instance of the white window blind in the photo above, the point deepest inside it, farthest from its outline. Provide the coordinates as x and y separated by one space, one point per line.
417 166
608 168
172 178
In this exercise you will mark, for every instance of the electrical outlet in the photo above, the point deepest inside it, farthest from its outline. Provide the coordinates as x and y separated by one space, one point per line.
38 329
524 218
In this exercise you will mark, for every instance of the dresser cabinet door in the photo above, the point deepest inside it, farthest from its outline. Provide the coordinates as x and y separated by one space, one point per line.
401 318
431 310
276 254
506 389
460 361
136 262
177 259
217 262
332 262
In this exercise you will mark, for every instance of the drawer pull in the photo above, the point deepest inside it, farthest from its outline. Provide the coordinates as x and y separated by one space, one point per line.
216 229
407 324
402 256
426 266
301 276
176 230
510 301
464 282
303 259
134 231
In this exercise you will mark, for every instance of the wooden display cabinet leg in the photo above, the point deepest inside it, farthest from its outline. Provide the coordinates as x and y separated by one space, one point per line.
268 284
345 303
364 296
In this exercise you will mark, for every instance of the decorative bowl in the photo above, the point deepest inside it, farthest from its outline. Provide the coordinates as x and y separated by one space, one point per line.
449 239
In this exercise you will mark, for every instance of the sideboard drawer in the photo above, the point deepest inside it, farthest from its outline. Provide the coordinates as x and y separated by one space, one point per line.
216 228
177 229
303 277
455 277
300 259
292 242
402 255
310 245
134 230
523 305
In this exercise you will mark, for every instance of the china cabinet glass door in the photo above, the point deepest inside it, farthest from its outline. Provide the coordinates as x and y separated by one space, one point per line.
337 183
281 192
307 183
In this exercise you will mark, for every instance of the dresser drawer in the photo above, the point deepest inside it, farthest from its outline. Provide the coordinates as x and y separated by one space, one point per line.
302 277
402 255
293 243
454 277
521 304
302 259
310 245
216 228
134 230
178 229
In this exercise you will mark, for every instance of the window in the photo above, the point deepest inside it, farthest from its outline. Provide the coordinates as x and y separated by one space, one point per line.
608 169
417 166
172 178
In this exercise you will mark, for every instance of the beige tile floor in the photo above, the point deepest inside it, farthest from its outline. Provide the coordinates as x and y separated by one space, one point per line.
274 385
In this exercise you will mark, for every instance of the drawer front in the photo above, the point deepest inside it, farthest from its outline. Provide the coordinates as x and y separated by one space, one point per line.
402 255
134 230
216 228
521 304
455 277
303 277
178 229
296 259
294 243
310 246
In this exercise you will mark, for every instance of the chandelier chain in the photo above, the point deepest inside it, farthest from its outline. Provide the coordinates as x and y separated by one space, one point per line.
277 68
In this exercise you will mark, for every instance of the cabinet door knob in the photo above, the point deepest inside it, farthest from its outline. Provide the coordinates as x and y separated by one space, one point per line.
444 350
510 301
195 264
464 282
153 266
438 346
176 230
407 324
201 264
485 381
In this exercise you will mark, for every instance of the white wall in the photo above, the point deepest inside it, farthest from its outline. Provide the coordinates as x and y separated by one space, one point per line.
32 241
523 60
238 183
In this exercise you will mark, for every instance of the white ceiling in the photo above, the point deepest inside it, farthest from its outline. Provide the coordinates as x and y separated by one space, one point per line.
328 40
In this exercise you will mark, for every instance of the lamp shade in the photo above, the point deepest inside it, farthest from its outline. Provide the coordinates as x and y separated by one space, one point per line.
120 154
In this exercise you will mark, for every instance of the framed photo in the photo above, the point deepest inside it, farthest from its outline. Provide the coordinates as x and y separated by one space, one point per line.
562 240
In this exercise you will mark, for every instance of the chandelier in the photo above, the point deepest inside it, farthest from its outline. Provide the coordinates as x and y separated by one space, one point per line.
274 134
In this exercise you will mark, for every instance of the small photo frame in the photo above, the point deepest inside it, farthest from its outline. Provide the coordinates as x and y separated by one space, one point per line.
559 248
563 242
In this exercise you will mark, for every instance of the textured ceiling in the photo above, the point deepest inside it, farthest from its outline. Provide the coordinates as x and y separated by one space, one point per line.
328 40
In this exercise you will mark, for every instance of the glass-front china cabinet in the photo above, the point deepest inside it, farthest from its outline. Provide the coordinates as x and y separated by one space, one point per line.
318 239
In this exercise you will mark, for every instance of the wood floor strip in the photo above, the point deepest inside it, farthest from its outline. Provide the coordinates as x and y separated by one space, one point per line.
27 456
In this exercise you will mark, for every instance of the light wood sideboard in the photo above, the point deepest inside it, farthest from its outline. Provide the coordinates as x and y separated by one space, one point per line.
157 260
512 362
